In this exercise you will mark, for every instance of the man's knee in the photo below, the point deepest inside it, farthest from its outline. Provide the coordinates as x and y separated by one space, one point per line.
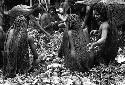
30 39
69 33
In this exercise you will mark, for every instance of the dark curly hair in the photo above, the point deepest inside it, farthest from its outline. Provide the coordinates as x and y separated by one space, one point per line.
101 8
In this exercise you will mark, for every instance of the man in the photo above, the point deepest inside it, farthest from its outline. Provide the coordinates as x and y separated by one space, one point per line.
107 38
49 18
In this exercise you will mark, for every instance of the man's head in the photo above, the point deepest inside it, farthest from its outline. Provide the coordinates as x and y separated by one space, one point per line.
100 12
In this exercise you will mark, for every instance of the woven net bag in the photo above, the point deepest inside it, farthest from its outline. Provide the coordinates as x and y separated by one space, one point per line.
16 47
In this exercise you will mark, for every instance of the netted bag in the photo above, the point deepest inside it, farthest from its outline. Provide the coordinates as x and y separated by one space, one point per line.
116 13
19 10
16 47
82 60
89 2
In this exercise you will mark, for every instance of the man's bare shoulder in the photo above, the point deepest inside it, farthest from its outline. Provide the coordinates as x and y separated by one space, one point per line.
104 25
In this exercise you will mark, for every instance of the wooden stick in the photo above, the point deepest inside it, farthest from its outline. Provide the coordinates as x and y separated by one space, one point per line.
31 3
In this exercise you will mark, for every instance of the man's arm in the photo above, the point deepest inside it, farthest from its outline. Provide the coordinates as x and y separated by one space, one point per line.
104 29
40 29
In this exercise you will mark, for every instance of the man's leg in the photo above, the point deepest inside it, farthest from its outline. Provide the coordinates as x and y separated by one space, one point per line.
35 54
36 58
33 47
71 43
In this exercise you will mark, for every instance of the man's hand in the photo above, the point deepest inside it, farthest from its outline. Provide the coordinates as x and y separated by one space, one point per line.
93 32
90 46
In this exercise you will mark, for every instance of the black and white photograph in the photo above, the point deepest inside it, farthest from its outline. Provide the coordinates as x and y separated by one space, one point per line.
62 42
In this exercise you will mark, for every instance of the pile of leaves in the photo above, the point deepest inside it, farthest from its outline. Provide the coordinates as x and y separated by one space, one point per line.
53 71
